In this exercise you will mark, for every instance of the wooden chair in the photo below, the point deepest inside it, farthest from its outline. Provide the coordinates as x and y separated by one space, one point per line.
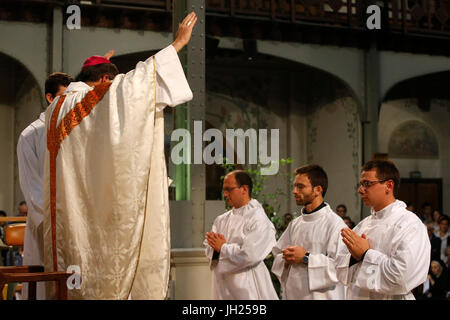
14 237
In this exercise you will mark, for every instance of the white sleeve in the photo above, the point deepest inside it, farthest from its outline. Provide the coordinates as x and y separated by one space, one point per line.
321 267
279 268
403 270
30 180
257 244
172 87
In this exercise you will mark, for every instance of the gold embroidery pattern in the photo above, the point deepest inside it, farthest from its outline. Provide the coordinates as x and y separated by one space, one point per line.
52 147
80 111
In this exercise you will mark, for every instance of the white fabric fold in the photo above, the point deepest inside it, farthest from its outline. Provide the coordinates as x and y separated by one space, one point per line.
112 214
240 272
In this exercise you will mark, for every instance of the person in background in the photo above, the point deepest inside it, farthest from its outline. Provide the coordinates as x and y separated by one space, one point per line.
287 218
2 239
22 209
436 216
341 210
410 207
443 234
438 285
426 213
348 221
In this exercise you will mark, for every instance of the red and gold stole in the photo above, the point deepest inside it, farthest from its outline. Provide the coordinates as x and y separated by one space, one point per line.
56 135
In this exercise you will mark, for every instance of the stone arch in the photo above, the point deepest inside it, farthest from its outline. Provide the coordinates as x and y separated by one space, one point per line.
424 88
237 87
21 101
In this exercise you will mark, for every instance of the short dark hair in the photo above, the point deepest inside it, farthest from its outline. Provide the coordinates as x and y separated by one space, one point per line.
443 218
342 206
55 80
94 73
316 175
426 204
386 170
243 179
21 203
3 213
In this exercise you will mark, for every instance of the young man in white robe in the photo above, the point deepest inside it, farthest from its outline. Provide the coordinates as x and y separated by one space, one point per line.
106 210
30 155
388 253
305 253
238 243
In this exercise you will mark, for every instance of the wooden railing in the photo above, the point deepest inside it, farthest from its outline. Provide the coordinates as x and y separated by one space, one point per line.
419 16
407 16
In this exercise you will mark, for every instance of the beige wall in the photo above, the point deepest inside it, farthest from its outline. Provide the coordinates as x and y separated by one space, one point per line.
394 113
6 158
334 142
190 276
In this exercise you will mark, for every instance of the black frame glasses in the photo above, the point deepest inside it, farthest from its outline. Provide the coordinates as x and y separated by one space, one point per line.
366 184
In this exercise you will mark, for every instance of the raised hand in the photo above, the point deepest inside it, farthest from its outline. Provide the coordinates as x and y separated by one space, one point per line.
109 54
184 31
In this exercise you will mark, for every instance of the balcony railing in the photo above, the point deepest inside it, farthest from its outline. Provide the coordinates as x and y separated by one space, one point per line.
421 16
406 16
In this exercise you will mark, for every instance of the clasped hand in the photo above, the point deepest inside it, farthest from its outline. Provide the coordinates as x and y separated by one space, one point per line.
356 245
215 240
293 254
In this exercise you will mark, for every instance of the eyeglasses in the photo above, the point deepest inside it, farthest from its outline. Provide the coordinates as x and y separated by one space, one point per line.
366 184
229 189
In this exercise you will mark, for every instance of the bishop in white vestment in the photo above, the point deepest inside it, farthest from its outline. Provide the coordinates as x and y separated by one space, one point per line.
31 155
106 210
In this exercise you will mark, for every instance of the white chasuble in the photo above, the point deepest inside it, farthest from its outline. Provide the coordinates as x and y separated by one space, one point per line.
397 261
240 272
106 208
319 233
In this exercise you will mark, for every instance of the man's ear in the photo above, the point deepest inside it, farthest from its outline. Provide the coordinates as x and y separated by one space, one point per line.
390 185
49 98
245 187
319 190
105 78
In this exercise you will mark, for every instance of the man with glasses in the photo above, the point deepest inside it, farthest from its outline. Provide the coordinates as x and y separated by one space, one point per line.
388 253
239 242
304 255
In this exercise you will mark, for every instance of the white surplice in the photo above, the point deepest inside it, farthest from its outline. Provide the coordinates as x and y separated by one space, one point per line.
319 233
240 272
112 214
30 155
397 261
